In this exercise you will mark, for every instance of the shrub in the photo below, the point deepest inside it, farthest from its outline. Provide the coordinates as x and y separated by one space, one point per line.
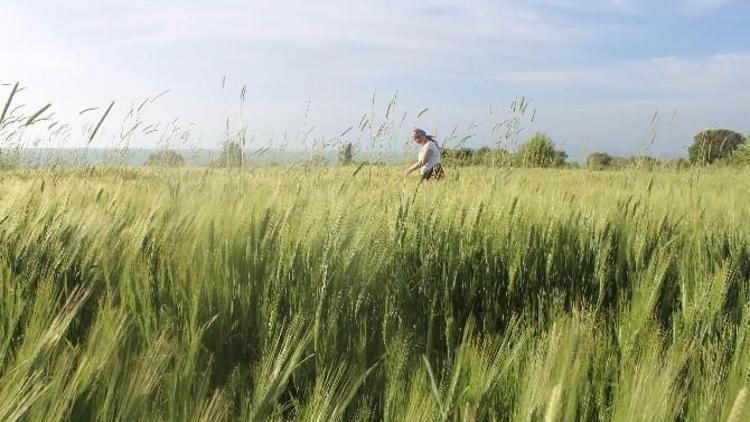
166 158
677 164
231 155
643 162
10 160
714 144
620 163
539 151
497 157
346 154
475 157
742 155
598 161
458 156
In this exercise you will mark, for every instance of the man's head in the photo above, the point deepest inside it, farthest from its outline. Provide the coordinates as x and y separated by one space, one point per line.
419 136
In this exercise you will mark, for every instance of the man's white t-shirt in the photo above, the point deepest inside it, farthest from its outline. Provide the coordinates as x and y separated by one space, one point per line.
434 156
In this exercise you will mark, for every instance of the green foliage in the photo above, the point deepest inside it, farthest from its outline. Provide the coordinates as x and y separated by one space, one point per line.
539 151
458 156
741 156
487 157
231 154
346 154
643 162
166 158
148 294
714 144
676 164
9 160
604 161
599 161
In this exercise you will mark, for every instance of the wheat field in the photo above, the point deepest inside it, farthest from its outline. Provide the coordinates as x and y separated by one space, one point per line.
315 294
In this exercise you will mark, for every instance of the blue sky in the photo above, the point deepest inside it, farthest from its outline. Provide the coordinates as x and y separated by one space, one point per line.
596 71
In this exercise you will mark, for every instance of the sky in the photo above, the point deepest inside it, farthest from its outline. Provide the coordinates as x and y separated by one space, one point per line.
624 76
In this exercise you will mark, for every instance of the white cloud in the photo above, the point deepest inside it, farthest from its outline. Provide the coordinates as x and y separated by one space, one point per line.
638 6
410 25
704 5
721 74
594 5
21 45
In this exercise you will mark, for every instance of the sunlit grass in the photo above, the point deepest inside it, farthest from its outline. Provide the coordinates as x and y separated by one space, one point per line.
317 294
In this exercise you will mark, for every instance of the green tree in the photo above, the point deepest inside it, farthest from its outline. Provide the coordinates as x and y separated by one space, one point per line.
484 156
599 161
459 156
231 155
643 162
346 154
539 151
742 155
714 144
493 157
166 158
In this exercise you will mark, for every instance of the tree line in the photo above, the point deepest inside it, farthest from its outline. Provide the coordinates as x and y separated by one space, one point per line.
709 147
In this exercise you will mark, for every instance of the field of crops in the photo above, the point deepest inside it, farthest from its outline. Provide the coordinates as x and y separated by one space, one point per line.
276 294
